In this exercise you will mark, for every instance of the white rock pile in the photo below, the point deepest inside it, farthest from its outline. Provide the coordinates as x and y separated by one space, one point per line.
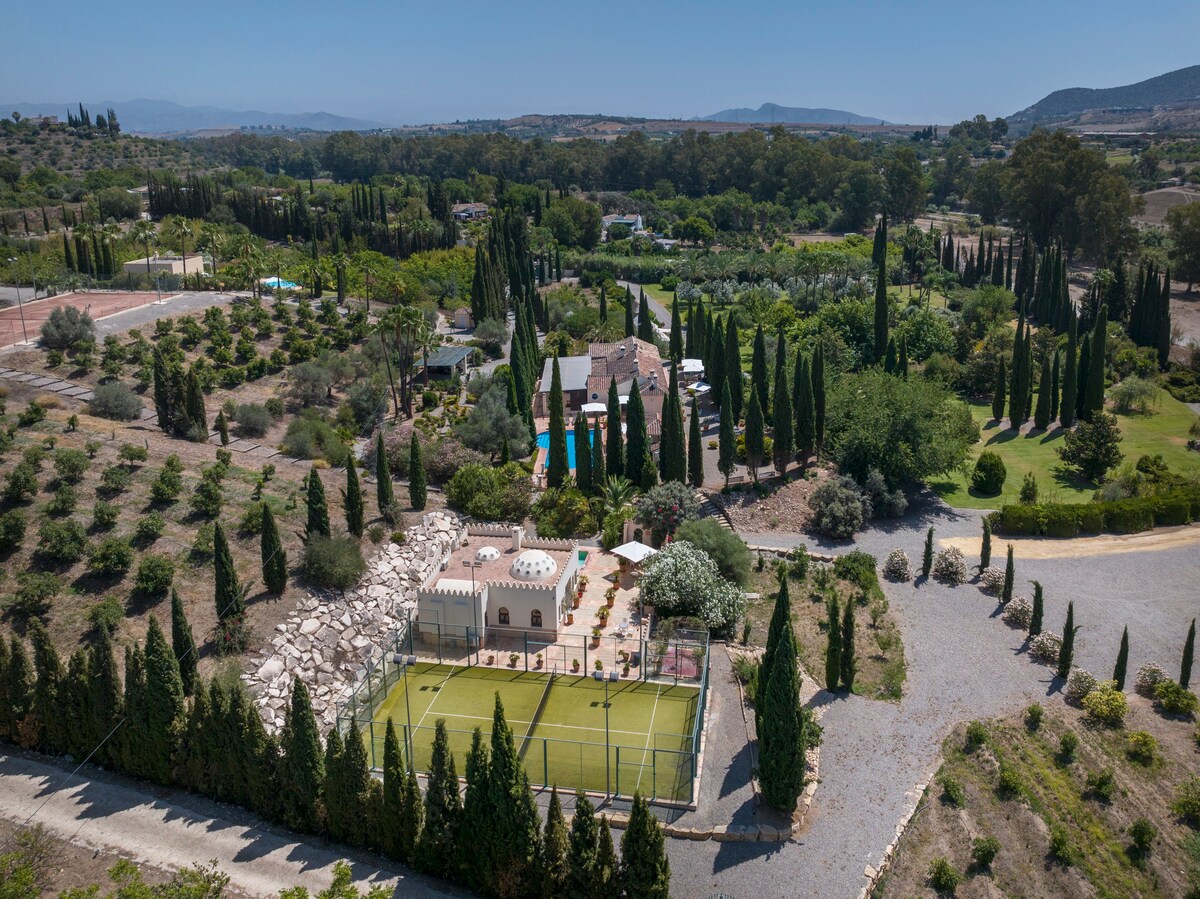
331 636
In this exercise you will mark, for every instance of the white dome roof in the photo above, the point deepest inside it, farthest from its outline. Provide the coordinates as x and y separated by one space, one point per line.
533 565
487 554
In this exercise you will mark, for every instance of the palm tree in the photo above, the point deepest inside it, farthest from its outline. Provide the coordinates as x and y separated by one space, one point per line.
85 230
427 338
212 238
617 493
407 320
144 232
382 329
180 228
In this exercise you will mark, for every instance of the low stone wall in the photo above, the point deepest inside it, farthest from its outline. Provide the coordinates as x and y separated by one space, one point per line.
331 636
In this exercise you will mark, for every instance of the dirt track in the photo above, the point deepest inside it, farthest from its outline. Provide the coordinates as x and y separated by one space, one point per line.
1080 547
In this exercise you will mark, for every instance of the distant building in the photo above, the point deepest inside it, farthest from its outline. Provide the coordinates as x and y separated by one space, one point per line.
166 265
461 318
466 212
632 221
445 361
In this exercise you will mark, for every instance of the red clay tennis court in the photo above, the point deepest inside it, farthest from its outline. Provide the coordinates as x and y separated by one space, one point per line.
97 304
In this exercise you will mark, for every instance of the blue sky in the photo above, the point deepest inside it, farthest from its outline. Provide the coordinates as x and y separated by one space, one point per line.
406 62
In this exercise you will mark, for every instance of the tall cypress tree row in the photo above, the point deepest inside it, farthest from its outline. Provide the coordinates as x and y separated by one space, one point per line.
1019 381
645 871
194 405
803 398
555 841
1162 334
513 843
1041 417
784 447
614 447
582 850
353 500
165 706
673 447
583 455
714 358
675 344
302 767
437 847
847 664
758 371
603 304
695 451
105 700
393 795
833 645
689 341
274 557
645 327
726 446
384 492
781 620
183 644
229 593
1093 397
630 330
475 863
1006 591
557 468
818 388
998 389
733 366
1055 387
636 446
598 471
755 436
416 474
881 312
318 510
44 730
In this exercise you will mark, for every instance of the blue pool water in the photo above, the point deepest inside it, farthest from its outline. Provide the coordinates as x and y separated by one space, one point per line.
543 441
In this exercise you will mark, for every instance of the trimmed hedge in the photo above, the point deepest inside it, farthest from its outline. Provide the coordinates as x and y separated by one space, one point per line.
1123 516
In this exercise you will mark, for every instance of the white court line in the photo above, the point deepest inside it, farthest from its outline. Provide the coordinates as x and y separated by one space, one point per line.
649 737
541 724
436 694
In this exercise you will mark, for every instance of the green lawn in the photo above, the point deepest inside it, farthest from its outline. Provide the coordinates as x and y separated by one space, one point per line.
1163 432
560 733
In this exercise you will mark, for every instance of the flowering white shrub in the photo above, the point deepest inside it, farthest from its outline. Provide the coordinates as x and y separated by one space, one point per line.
991 579
1018 613
682 579
950 566
1148 677
897 567
1079 684
1045 647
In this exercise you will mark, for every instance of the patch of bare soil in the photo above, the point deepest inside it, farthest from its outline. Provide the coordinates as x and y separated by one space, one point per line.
1054 792
784 507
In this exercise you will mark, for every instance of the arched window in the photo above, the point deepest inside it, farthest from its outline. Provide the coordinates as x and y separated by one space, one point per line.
535 618
502 615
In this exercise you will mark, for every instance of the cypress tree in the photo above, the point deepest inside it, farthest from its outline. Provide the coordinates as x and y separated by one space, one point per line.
222 428
607 868
781 620
675 345
165 706
695 453
1189 650
629 328
274 557
818 392
603 304
384 493
353 500
758 371
416 474
318 510
833 646
1039 610
436 850
1041 417
927 557
20 688
1093 397
475 864
780 368
130 744
803 399
193 402
1019 383
49 688
1055 387
555 841
985 548
755 438
393 793
1162 335
596 450
848 664
726 445
784 447
1070 380
6 715
229 593
302 769
1006 591
645 871
1067 651
334 796
614 447
583 455
183 644
1085 364
556 460
881 312
649 472
105 701
505 450
412 817
582 851
889 359
998 391
1122 660
733 366
902 362
164 401
635 437
645 328
514 841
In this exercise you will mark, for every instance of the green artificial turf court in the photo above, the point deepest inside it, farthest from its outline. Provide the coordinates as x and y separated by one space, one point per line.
559 731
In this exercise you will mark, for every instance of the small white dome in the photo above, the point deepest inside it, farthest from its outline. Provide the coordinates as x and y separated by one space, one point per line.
487 554
533 565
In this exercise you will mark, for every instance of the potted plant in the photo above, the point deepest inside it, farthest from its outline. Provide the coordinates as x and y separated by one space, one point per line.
603 615
538 664
570 617
583 582
595 638
512 659
625 670
575 666
599 665
491 660
575 599
610 596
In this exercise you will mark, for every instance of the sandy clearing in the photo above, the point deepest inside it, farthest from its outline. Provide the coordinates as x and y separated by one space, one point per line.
1078 547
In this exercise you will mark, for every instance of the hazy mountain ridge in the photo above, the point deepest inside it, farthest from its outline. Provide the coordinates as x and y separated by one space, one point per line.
163 116
773 112
1180 86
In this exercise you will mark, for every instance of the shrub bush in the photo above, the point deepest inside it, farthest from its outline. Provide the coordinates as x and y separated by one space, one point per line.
22 483
115 479
62 541
12 530
35 590
952 791
1106 704
943 876
149 528
252 420
64 501
839 508
104 515
950 566
311 437
154 575
1029 490
1034 716
1061 849
563 512
1120 516
1148 677
1141 748
107 614
492 494
1045 647
858 568
70 464
723 546
1067 744
335 562
207 499
976 735
1143 834
991 579
1187 801
115 401
989 473
1079 684
1101 785
1008 781
66 326
984 851
898 567
1174 699
112 555
1018 613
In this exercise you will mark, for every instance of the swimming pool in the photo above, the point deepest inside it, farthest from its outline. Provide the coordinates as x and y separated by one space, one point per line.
543 442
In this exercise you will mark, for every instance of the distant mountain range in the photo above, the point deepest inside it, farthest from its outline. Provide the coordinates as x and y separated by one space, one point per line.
773 112
163 116
1173 88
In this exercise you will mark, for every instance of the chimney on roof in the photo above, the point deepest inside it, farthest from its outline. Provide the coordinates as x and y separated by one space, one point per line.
517 534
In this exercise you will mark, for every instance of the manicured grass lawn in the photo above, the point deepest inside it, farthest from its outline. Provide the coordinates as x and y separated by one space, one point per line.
656 292
560 733
1163 432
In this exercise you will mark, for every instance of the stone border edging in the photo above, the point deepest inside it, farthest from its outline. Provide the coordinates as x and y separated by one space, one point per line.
875 874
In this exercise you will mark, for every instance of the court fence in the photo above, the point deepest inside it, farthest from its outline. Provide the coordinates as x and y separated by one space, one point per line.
665 772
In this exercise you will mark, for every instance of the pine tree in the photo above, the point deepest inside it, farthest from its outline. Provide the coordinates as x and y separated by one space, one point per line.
353 500
583 455
557 468
416 474
1122 660
1066 652
645 327
302 768
998 389
755 438
726 446
318 510
784 447
555 842
881 312
733 367
582 851
833 646
229 594
183 644
384 494
614 448
222 428
436 850
1093 397
927 556
803 398
645 871
599 474
1006 591
818 392
1041 417
1039 610
695 453
393 794
636 447
274 557
848 664
1189 650
165 706
630 330
985 548
758 371
675 345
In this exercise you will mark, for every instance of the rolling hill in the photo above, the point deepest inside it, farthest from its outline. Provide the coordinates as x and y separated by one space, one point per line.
1179 87
773 112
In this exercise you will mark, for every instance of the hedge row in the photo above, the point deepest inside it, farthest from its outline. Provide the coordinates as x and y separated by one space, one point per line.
1123 516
